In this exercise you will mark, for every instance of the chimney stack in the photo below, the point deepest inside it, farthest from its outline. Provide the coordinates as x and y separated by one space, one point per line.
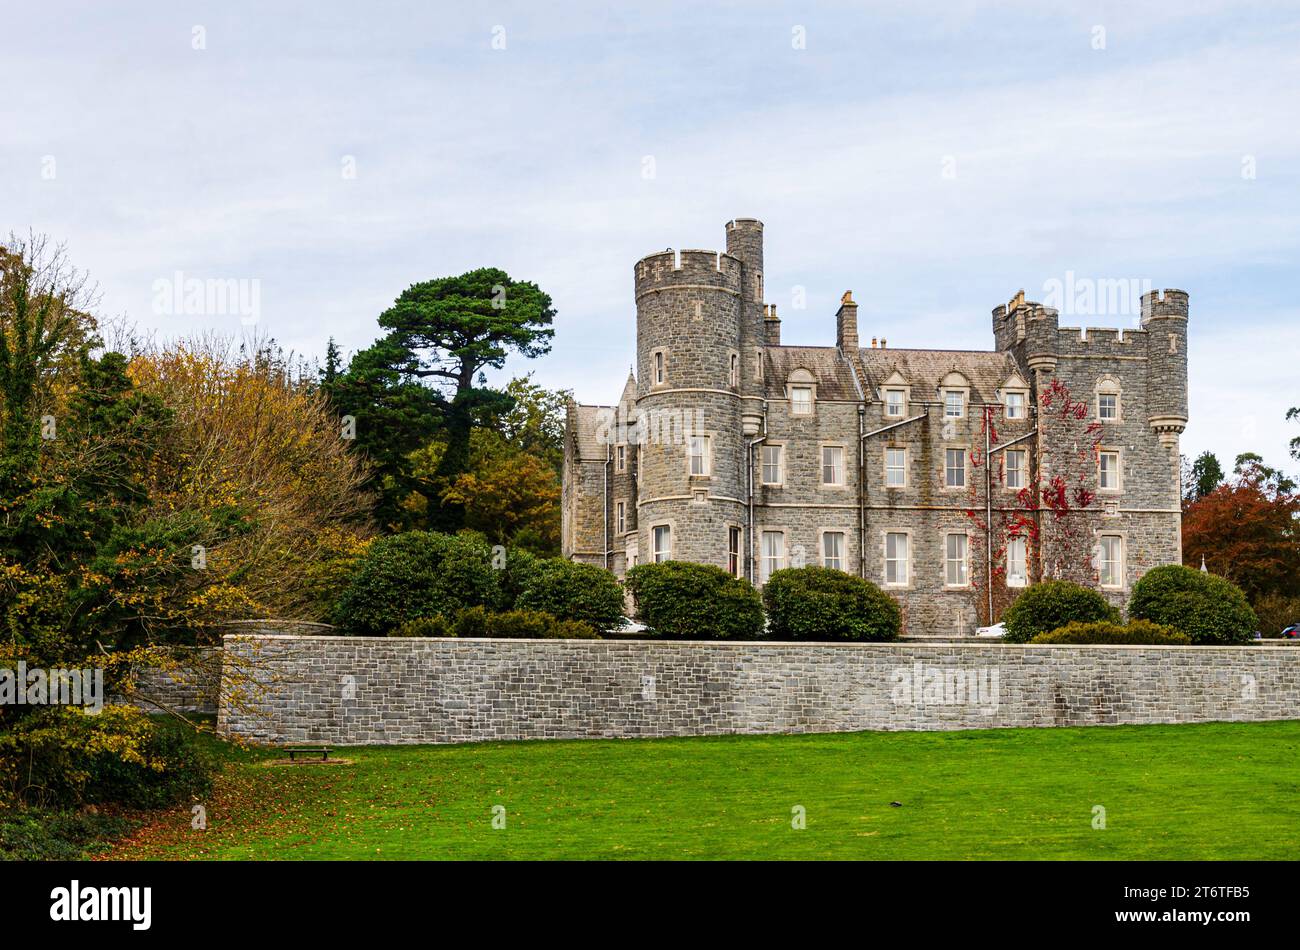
846 324
771 326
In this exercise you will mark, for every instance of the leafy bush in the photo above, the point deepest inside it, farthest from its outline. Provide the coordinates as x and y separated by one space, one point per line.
1051 605
61 757
1103 631
571 591
1208 608
683 601
521 625
1276 612
33 835
413 575
819 603
516 574
436 626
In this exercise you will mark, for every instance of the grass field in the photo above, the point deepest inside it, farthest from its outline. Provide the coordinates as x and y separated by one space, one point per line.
1198 791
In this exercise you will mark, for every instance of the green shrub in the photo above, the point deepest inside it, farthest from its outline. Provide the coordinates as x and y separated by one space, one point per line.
471 623
436 626
1103 631
1276 612
1051 605
683 601
413 575
1208 608
819 603
35 835
516 574
520 625
61 757
568 590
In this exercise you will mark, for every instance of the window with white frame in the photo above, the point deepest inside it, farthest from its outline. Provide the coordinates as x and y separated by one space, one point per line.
1015 468
893 402
620 517
1108 474
896 558
659 368
698 447
832 465
662 543
954 403
733 551
895 467
620 458
1017 562
1108 400
1014 403
800 400
833 550
955 560
1110 560
954 474
771 474
773 553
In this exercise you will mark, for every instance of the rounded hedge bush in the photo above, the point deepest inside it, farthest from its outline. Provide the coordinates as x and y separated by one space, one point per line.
1208 608
521 625
568 590
1103 631
413 575
684 601
820 603
1053 604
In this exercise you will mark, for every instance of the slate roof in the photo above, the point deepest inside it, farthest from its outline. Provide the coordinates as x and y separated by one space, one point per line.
587 422
925 369
832 372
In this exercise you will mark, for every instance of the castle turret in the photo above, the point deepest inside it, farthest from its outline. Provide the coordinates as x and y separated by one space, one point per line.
745 243
1041 334
692 313
1164 317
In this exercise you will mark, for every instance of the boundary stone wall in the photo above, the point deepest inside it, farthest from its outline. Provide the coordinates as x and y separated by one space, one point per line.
376 690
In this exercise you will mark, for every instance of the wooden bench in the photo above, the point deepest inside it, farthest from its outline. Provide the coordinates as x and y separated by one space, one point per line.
322 750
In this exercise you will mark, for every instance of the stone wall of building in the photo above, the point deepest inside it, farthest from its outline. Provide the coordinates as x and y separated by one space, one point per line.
356 690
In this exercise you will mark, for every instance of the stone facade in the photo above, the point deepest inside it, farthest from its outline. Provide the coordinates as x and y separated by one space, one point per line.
358 690
889 452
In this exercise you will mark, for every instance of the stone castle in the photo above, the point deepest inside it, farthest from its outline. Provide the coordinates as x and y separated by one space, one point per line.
951 478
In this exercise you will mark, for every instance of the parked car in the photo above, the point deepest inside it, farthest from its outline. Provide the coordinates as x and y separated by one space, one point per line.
997 630
1292 632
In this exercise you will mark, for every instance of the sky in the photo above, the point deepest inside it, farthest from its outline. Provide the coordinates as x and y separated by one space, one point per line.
932 158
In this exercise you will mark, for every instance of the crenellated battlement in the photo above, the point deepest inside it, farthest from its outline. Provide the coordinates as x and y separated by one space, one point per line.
688 268
1102 341
1164 303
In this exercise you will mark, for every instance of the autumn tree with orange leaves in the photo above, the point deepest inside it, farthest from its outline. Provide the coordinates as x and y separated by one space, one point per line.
1247 530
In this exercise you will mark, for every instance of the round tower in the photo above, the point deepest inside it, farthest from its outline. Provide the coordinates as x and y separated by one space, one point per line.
1164 317
689 315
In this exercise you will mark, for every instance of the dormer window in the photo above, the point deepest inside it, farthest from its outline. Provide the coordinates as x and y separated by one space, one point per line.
802 391
954 403
1014 404
894 402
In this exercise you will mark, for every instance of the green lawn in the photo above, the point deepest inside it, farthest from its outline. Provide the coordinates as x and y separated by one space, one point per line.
1201 791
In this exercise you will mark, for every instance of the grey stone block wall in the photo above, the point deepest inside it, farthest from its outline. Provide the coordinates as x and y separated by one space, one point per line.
357 690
